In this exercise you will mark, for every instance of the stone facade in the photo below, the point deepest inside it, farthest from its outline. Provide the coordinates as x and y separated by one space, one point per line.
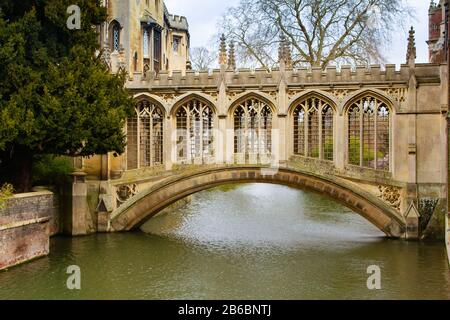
26 223
142 36
409 174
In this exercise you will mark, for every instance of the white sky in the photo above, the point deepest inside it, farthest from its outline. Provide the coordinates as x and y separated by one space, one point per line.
203 16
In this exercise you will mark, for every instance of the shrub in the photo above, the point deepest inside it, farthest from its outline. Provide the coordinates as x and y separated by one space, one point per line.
49 170
6 191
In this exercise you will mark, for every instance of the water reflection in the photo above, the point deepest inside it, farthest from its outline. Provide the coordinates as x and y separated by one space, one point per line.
242 241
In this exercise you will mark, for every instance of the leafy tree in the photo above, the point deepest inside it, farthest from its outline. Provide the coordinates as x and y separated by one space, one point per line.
320 32
56 95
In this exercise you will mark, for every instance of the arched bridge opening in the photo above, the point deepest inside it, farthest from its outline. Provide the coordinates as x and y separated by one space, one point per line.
148 203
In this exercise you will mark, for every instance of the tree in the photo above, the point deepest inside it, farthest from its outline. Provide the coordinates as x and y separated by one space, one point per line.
202 58
56 95
320 32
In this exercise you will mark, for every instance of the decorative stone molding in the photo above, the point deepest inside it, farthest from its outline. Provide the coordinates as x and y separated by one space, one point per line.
391 195
213 95
169 97
125 192
292 93
231 95
340 94
273 94
397 94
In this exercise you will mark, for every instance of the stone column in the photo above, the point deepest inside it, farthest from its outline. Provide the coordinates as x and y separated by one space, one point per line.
222 140
340 145
283 139
169 143
76 207
106 167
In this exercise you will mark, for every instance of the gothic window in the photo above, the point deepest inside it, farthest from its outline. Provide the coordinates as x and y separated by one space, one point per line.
299 131
354 135
368 133
146 44
195 136
176 45
145 136
313 129
327 133
115 36
157 43
253 130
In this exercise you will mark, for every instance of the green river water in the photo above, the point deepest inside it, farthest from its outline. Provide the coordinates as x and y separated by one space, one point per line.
251 241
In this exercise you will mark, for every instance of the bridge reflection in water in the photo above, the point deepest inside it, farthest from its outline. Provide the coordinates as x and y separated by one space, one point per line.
230 242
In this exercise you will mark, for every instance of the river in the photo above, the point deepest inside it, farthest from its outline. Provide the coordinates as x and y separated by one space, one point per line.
250 241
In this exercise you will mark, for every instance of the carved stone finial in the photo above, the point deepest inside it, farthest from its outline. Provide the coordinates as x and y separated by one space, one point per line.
284 51
287 54
281 48
231 57
223 51
412 52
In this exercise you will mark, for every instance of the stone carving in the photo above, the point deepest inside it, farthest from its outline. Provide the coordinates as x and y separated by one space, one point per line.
398 94
213 95
231 95
169 97
125 192
391 195
292 93
340 94
273 94
106 57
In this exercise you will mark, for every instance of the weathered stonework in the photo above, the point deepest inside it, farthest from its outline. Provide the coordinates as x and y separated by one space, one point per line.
26 223
414 95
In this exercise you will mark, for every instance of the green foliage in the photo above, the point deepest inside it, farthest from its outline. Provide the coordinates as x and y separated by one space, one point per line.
56 96
6 191
327 149
368 153
50 170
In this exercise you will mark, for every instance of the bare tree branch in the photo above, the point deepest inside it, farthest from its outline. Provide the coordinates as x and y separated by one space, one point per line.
202 58
321 32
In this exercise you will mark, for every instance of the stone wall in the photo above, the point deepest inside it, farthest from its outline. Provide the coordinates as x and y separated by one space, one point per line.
26 223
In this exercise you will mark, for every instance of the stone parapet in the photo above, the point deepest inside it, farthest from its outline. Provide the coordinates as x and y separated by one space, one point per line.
26 224
304 76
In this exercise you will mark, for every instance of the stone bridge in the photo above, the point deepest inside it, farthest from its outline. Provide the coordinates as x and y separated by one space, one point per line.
142 205
373 138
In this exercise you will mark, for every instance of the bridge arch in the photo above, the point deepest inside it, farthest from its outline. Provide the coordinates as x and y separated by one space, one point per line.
146 204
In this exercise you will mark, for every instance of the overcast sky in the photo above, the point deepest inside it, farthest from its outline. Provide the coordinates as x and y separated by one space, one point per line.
203 17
